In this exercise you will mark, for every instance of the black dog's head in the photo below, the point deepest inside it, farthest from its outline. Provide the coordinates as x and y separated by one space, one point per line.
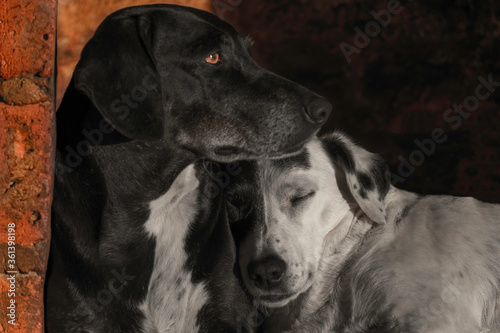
183 76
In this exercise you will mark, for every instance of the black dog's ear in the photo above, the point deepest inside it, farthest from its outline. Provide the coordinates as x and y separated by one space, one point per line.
366 174
117 73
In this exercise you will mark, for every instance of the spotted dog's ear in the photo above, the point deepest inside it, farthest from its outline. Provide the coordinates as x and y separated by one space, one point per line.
367 174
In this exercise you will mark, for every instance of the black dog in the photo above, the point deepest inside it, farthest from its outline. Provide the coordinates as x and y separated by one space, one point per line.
158 88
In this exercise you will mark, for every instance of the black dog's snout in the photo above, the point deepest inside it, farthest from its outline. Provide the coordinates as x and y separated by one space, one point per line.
318 110
267 273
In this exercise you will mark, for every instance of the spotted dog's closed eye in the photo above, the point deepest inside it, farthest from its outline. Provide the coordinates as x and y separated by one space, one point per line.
300 197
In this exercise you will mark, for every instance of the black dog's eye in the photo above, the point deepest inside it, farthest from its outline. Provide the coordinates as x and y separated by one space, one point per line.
213 59
301 197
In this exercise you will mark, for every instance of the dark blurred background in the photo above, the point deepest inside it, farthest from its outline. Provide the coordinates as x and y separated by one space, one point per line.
401 81
391 80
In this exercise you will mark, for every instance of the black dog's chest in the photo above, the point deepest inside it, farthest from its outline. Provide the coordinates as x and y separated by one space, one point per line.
173 300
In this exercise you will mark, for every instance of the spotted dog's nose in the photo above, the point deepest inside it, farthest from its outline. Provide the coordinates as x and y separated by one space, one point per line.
267 273
318 110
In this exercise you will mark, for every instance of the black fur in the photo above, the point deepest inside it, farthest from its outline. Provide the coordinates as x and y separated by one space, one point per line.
212 259
381 176
339 153
142 105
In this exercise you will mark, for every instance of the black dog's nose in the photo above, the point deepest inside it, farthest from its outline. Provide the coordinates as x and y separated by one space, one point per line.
318 110
267 273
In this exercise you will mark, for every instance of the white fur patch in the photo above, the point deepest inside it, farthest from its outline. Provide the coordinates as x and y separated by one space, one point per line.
173 301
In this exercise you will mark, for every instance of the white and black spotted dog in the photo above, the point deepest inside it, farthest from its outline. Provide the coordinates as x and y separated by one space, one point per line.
328 245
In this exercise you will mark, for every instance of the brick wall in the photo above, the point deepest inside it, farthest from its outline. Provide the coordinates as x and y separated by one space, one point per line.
27 49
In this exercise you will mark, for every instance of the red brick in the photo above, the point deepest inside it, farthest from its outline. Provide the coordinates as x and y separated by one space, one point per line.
26 172
27 54
26 90
29 258
27 30
28 301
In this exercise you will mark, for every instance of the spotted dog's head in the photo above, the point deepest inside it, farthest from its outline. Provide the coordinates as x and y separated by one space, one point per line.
283 210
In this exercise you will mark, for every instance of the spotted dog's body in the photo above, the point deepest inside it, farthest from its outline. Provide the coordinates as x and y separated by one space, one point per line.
329 246
158 88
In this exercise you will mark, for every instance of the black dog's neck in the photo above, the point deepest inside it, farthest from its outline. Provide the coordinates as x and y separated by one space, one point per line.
79 120
116 179
212 257
103 176
104 184
84 136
